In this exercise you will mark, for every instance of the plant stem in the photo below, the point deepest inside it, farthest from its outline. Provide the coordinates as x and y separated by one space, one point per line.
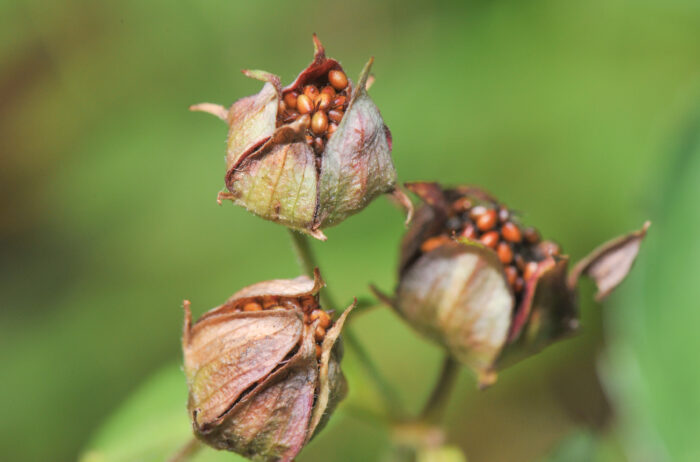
187 451
307 261
434 409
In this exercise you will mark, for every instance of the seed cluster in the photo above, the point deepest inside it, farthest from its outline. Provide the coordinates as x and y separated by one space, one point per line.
495 226
320 106
308 305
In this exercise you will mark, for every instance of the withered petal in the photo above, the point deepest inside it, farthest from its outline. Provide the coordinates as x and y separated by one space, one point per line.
332 384
458 295
319 67
357 164
431 193
609 263
227 354
271 423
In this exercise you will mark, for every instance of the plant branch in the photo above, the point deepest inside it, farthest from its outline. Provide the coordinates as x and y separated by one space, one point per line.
434 409
187 451
307 261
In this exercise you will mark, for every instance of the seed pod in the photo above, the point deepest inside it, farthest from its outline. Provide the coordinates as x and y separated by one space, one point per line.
274 173
467 297
256 385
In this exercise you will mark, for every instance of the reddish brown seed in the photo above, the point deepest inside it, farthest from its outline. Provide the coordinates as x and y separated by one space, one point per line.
309 139
531 235
338 101
322 102
462 204
487 220
311 91
319 123
319 351
337 79
490 239
318 145
511 274
433 243
304 104
469 231
548 248
503 214
319 333
323 319
519 285
290 116
332 127
520 262
290 99
252 306
505 253
330 91
335 115
511 232
477 211
530 269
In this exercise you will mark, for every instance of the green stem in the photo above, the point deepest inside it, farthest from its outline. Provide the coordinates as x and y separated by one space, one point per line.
436 405
307 261
187 451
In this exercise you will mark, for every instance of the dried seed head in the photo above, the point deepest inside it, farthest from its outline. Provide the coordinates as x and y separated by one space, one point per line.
262 383
507 292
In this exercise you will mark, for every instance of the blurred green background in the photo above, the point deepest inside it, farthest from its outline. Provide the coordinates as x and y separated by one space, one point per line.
581 114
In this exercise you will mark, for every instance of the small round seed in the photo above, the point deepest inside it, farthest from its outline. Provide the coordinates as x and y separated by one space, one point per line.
531 235
319 333
520 262
511 232
311 91
252 306
511 274
322 102
462 204
318 145
338 101
505 253
477 211
530 269
519 285
319 351
322 316
503 214
433 243
487 220
335 115
469 231
490 239
337 79
309 139
548 248
290 99
332 127
304 104
330 91
319 123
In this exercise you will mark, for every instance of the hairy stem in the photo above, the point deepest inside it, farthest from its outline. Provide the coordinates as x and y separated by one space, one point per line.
435 407
187 451
307 261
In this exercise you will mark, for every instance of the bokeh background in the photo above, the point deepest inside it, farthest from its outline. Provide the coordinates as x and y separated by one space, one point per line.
584 115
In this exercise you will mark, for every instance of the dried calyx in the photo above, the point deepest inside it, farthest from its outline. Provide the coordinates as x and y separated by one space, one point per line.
479 217
314 316
320 104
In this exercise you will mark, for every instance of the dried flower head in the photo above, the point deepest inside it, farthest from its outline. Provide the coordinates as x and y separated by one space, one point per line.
310 154
488 288
263 369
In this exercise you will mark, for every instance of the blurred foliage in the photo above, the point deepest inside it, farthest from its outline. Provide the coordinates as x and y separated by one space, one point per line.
569 111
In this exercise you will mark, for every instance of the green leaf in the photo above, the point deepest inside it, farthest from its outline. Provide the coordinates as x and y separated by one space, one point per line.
152 425
651 369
